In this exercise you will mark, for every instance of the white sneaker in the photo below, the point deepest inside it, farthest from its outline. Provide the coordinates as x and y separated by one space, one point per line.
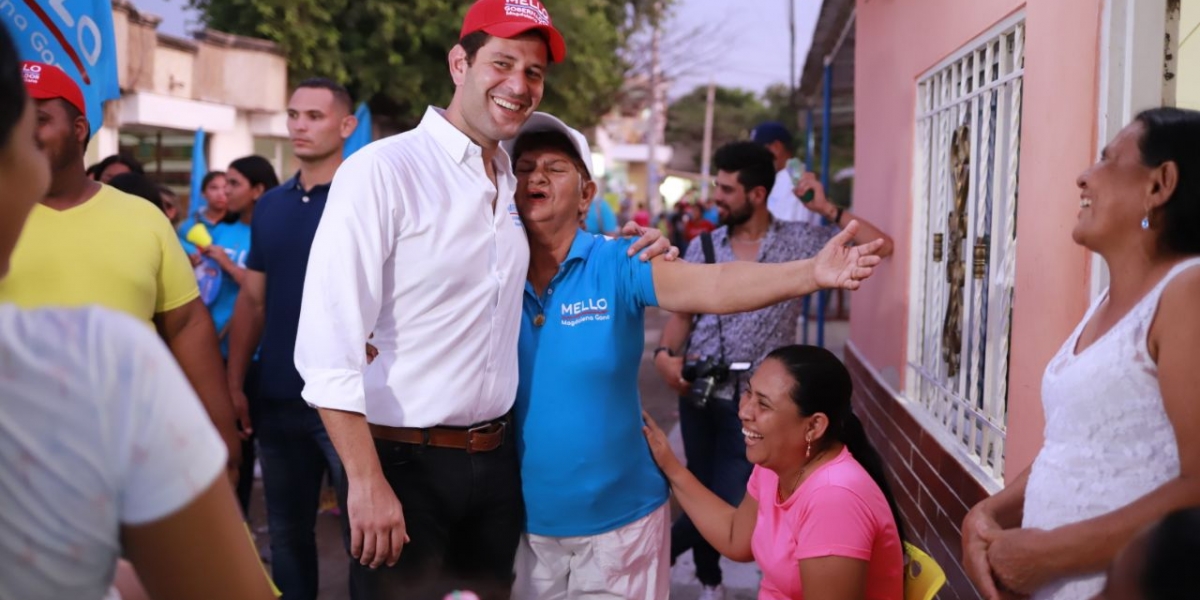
716 592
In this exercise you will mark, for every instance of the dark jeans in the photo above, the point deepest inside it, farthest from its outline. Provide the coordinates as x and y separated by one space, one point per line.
464 516
245 483
296 453
716 455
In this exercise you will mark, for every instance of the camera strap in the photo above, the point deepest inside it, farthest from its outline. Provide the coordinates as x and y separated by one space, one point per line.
710 257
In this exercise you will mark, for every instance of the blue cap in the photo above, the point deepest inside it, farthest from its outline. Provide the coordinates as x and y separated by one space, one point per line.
771 131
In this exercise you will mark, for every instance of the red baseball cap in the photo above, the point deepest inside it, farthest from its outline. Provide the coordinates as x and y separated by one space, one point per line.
46 82
510 18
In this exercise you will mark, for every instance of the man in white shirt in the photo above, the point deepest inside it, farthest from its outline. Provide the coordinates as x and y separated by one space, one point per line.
421 245
783 203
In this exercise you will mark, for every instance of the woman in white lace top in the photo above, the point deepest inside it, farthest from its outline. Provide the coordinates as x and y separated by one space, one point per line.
1122 396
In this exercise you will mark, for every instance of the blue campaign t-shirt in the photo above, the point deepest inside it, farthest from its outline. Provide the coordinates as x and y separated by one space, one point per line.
218 289
208 273
585 465
600 217
281 235
235 239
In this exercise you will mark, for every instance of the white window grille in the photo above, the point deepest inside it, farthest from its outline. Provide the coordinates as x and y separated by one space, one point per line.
964 242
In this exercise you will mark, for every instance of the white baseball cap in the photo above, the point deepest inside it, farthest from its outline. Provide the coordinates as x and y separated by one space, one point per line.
540 121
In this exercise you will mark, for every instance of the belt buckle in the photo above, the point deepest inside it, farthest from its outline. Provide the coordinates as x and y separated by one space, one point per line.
482 429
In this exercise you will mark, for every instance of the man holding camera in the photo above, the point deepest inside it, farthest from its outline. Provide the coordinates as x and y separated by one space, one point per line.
721 349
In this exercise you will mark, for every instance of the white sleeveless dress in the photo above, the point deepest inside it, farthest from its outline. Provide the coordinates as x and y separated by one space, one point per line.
1108 441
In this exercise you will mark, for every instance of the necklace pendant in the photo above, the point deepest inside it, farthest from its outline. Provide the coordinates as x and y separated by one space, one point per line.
539 320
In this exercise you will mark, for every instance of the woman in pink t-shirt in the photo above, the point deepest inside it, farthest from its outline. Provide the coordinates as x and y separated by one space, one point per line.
819 517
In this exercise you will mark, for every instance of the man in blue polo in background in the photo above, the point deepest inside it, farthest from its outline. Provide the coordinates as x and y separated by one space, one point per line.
598 522
294 448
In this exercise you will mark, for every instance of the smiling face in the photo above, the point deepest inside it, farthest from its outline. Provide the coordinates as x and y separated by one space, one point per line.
1114 193
771 421
552 193
733 200
498 90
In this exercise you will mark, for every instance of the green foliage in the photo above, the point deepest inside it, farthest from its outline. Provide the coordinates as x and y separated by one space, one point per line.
735 112
393 52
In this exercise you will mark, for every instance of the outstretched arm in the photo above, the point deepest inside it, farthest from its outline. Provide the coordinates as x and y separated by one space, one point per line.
739 286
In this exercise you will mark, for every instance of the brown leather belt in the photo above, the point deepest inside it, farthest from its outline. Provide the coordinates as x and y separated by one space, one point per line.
480 438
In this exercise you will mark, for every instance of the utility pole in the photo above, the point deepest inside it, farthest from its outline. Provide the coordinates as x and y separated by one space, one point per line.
706 148
792 58
653 202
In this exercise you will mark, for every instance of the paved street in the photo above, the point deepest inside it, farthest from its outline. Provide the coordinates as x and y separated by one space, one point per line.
741 580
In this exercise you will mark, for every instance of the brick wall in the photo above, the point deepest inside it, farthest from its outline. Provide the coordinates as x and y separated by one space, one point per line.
932 488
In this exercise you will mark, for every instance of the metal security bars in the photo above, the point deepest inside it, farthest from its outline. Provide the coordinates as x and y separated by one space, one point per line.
964 242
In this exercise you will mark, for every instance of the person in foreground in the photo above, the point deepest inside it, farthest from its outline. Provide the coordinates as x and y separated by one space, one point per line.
597 514
819 516
105 450
1159 564
1122 437
87 243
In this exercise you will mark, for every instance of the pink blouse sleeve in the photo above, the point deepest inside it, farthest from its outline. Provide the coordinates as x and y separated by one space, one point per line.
754 483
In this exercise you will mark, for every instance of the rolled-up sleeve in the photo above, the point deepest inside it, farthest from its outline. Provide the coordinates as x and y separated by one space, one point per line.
343 286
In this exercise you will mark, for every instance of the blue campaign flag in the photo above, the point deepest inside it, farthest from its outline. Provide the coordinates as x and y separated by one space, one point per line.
362 134
196 201
76 35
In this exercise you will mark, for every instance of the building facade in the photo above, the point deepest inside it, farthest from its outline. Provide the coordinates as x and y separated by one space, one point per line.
973 121
232 87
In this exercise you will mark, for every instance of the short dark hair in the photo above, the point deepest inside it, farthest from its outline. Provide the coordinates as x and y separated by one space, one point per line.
121 158
1170 135
475 40
138 185
550 140
208 178
257 170
341 95
753 163
12 87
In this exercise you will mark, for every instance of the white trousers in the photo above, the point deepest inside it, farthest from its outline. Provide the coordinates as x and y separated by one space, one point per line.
629 563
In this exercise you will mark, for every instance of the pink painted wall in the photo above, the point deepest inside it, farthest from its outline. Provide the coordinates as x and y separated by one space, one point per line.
898 41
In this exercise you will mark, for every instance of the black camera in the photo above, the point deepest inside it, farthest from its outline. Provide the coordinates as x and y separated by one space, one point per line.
706 373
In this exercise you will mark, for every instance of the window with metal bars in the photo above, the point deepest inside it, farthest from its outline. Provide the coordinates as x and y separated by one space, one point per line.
964 242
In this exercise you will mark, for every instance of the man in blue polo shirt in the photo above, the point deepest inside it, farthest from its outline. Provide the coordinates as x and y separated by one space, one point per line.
597 515
295 450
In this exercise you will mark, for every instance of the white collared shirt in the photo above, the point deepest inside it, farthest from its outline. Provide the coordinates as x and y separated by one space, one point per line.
785 206
410 249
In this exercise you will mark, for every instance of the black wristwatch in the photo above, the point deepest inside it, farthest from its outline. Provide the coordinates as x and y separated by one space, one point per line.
654 355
